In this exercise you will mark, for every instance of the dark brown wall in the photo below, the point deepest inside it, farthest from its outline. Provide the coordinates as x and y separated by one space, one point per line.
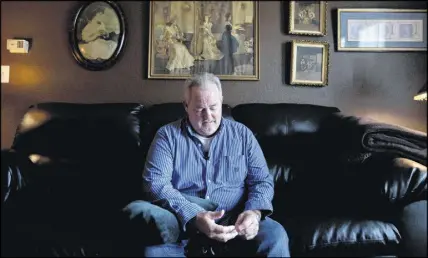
380 85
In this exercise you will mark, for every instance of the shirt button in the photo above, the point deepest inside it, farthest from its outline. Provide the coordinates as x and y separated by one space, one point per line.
209 181
207 197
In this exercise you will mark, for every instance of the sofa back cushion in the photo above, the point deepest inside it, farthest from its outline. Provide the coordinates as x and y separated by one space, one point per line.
84 152
287 133
288 136
78 131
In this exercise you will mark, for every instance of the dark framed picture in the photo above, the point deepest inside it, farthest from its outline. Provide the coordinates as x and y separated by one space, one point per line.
382 29
309 63
219 37
97 34
308 18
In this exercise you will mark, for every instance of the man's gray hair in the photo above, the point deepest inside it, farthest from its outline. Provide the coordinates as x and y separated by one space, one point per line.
202 80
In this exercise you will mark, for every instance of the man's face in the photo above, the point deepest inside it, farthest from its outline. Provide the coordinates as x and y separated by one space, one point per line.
204 109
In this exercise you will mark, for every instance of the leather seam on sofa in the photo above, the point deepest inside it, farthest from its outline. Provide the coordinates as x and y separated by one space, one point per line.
348 242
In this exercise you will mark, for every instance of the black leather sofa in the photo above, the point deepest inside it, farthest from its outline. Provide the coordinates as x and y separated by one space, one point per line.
73 167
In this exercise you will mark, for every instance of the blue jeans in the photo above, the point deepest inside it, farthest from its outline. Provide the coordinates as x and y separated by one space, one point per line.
271 241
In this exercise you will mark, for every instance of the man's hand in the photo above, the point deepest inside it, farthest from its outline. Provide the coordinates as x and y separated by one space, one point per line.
247 224
205 222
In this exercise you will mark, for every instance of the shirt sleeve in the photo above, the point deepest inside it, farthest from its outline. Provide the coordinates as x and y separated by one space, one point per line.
157 177
259 181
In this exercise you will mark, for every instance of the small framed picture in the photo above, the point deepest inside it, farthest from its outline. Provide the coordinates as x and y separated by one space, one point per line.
308 18
309 63
381 29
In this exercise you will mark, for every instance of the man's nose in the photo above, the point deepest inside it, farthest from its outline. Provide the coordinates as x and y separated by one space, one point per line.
206 113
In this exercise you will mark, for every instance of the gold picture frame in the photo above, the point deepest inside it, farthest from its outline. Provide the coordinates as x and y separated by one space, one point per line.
188 37
308 18
309 63
377 29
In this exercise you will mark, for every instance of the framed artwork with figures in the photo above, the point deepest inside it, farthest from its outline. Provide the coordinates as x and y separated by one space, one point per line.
381 29
308 18
309 63
188 37
97 34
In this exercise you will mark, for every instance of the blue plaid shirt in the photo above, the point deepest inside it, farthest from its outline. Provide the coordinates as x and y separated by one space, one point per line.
233 172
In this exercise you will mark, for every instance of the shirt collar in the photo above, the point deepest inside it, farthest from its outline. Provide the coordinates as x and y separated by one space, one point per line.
189 129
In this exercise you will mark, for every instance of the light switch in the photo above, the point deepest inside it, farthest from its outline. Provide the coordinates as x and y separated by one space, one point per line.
5 73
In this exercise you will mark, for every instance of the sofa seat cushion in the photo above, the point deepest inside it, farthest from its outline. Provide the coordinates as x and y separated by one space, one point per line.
43 238
340 236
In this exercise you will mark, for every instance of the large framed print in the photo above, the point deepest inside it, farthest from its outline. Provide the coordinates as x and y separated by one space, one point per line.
188 37
382 30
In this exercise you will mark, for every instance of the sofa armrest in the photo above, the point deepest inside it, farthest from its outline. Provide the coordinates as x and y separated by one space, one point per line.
413 229
407 182
14 173
400 181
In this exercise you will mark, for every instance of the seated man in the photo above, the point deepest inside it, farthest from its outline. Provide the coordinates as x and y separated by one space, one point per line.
207 156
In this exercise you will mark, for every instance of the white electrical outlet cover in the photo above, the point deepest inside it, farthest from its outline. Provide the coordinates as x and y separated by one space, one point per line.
5 69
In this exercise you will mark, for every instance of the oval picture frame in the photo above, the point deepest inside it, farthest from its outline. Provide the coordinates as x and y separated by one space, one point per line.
98 34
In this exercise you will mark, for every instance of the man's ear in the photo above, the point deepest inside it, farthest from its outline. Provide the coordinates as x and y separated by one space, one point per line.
185 105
